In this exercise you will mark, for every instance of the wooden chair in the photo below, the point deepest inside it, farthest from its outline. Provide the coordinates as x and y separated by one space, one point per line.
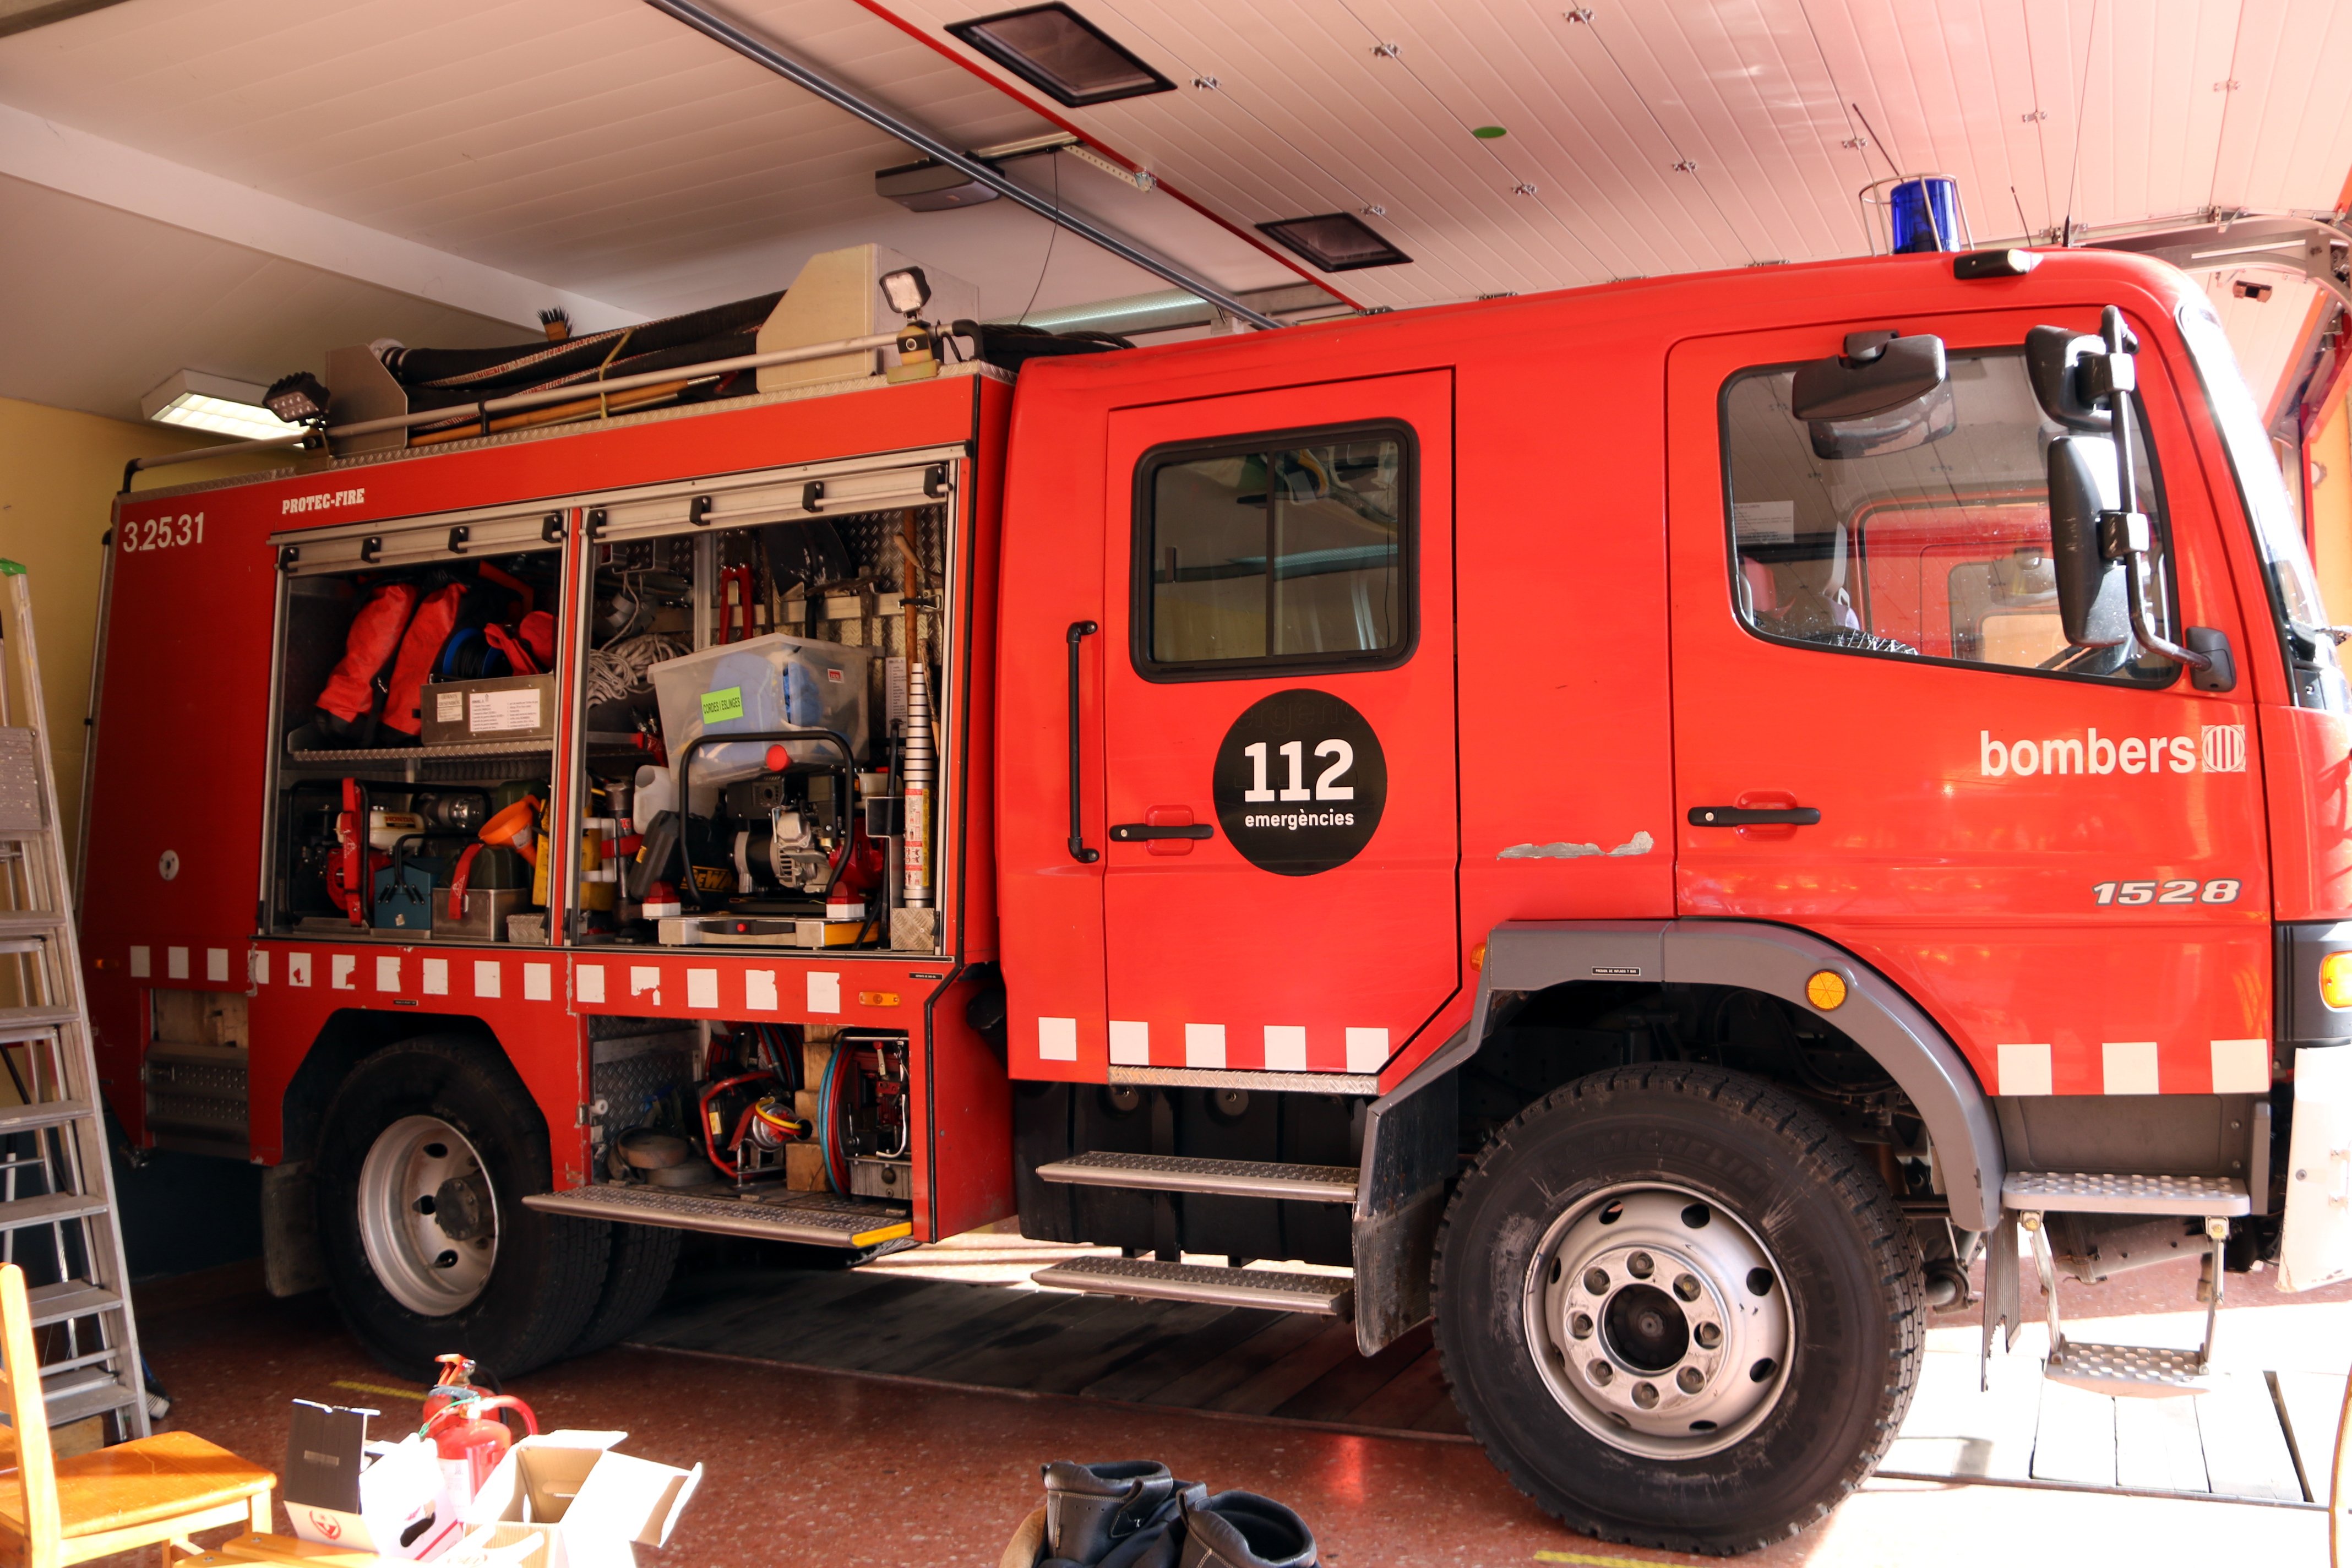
155 1491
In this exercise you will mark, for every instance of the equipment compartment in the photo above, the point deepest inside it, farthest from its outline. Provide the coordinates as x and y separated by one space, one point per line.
413 739
760 753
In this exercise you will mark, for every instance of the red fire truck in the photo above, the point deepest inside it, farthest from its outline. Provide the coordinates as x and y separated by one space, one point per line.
1653 824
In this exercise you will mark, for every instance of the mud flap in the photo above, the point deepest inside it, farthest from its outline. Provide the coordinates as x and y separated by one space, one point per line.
1999 1294
2316 1247
1410 1137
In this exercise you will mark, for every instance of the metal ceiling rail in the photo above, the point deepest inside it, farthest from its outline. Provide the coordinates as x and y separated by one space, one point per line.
762 54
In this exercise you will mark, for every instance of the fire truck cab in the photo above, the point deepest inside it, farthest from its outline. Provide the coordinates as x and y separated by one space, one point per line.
1651 824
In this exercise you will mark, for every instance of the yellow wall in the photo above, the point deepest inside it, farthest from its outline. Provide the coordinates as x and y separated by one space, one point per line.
58 472
2331 508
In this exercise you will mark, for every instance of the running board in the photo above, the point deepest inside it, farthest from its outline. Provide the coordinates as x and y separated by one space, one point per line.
813 1219
1329 1295
2067 1191
1221 1178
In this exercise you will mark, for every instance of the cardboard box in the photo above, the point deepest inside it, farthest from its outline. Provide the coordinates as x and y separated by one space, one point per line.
599 1501
502 707
343 1490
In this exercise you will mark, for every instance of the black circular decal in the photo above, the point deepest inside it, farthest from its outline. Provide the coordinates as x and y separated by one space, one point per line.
1300 783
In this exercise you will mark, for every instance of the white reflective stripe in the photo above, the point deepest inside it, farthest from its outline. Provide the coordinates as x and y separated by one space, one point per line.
216 965
589 978
702 988
1368 1049
1204 1045
175 962
436 977
2128 1067
485 977
2242 1066
142 962
387 971
343 971
1130 1043
539 983
1286 1047
298 969
824 990
1057 1039
2022 1069
760 991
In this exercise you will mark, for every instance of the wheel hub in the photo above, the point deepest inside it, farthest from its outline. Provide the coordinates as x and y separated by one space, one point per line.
1659 1322
428 1215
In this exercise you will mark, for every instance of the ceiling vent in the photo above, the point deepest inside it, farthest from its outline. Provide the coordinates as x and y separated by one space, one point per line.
1335 242
1059 52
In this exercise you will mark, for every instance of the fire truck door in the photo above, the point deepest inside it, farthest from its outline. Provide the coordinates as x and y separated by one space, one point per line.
1883 735
1279 887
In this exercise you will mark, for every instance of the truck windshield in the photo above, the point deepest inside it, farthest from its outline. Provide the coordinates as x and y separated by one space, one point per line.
2294 588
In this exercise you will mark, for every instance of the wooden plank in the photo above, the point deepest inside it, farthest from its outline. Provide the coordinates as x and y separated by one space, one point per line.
2245 1445
712 1322
1413 1396
1140 1382
1120 1336
1010 1312
1340 1393
2312 1402
1955 1428
1286 1334
2159 1447
859 1329
1275 1384
2075 1440
1007 1358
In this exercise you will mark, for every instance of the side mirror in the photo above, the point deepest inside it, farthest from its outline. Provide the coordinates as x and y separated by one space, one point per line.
2092 589
2053 361
1878 373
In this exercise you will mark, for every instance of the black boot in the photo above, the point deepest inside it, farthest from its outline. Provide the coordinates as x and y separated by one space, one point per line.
1089 1508
1243 1530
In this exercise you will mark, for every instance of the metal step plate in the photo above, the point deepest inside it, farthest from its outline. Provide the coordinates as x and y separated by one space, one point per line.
1331 1295
813 1219
2048 1192
2147 1371
1226 1178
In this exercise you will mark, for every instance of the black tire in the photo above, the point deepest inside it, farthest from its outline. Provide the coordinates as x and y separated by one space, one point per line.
635 1277
546 1273
1854 1315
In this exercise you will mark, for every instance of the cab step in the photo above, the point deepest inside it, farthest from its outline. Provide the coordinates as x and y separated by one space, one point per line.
1327 1295
2144 1371
1221 1178
2140 1371
2066 1192
813 1219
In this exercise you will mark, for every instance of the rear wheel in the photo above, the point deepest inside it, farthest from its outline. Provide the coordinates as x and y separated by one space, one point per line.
1678 1309
635 1279
425 1157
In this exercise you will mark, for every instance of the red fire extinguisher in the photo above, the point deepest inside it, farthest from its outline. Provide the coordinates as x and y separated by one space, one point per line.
471 1441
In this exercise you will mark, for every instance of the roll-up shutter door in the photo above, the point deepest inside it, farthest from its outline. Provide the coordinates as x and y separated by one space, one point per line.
442 538
739 501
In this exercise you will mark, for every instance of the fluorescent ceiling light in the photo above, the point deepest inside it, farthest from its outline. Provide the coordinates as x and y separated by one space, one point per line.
215 404
1057 51
1335 242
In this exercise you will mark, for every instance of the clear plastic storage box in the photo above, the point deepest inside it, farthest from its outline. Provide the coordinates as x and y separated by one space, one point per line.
768 683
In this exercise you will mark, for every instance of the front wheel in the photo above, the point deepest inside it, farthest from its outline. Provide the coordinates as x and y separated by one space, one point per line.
427 1152
1678 1309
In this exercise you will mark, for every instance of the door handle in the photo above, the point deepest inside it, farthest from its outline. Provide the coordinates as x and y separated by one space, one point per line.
1078 850
1754 817
1139 831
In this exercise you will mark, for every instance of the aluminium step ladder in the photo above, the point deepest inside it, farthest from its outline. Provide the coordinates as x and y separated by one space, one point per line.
1166 1277
2143 1371
57 1214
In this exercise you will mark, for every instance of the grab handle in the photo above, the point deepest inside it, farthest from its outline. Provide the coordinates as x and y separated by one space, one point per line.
1078 850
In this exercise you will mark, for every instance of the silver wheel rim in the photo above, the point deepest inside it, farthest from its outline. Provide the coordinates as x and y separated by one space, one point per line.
428 1215
1659 1322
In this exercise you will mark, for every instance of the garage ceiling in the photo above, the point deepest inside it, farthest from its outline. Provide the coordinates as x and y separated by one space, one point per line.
596 152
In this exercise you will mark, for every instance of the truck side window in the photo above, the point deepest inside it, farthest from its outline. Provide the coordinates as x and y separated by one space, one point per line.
1289 551
1922 534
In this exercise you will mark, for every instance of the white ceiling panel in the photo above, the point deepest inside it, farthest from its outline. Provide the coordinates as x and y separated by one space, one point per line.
604 149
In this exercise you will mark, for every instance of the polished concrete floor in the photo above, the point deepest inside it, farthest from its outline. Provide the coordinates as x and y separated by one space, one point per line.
807 1467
